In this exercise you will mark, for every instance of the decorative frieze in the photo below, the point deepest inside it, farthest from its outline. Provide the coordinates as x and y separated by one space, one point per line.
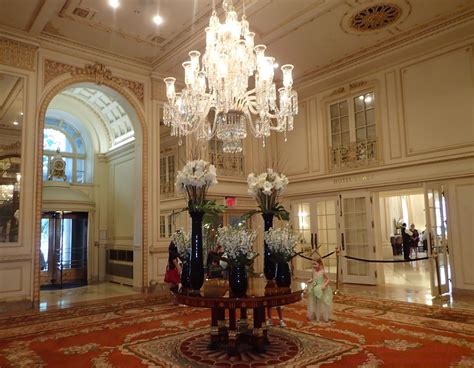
97 71
17 54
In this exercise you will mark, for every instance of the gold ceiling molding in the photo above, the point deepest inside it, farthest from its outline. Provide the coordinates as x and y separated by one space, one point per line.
17 54
98 72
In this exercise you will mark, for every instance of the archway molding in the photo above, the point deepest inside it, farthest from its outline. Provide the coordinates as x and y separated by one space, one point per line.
54 87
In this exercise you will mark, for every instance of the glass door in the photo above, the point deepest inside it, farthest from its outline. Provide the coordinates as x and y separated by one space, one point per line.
436 234
357 238
63 251
316 222
302 224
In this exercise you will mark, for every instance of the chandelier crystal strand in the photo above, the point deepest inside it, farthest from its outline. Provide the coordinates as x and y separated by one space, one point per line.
219 81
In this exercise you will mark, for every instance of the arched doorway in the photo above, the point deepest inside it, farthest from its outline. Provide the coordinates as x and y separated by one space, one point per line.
105 183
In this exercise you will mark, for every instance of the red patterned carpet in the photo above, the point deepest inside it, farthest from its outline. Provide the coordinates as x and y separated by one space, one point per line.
151 333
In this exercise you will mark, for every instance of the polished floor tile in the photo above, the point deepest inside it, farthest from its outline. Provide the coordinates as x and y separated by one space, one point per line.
68 297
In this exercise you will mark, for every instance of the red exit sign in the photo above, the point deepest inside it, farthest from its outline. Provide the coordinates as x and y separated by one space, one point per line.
230 201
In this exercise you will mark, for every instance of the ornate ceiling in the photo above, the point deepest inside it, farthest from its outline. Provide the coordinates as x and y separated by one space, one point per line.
314 35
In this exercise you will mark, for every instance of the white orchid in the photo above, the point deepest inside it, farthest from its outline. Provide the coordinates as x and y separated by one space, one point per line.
194 180
266 187
281 242
182 241
237 244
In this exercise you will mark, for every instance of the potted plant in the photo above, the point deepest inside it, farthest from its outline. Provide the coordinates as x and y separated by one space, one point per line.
265 188
182 241
194 180
237 244
281 243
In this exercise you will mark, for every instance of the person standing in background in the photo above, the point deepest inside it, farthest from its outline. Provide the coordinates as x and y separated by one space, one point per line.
406 236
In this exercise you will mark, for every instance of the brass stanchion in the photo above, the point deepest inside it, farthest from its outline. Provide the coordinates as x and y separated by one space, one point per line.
337 291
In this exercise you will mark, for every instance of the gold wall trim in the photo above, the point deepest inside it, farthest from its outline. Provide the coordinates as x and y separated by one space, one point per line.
98 72
43 106
17 54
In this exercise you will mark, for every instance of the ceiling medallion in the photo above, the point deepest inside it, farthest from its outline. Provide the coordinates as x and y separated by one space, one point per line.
375 17
230 88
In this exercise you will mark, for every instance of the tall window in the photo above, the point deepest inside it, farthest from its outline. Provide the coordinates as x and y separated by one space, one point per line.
167 225
353 133
60 135
167 175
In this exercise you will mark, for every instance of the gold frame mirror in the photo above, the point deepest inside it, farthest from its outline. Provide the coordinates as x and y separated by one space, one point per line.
11 126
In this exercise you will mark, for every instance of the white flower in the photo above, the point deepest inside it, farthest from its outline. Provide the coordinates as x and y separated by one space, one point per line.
182 241
281 242
236 243
265 185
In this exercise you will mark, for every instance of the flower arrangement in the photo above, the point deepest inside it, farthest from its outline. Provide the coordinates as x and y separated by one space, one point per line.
182 241
265 188
281 242
236 243
194 180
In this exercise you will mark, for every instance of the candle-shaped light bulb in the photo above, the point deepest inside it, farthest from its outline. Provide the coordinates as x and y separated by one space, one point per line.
194 56
266 69
260 53
249 39
188 73
201 82
287 70
170 91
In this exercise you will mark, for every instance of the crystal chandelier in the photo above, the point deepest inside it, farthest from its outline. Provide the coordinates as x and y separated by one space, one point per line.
220 84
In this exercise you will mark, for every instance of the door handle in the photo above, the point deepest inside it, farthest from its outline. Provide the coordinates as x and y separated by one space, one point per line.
342 242
312 241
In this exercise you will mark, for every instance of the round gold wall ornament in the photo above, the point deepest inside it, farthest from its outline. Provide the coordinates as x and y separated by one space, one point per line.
375 17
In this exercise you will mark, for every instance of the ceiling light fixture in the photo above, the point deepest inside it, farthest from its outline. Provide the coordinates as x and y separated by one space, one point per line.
21 113
15 123
114 3
157 19
221 84
275 65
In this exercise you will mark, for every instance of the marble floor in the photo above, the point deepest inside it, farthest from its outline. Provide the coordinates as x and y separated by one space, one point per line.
407 282
64 298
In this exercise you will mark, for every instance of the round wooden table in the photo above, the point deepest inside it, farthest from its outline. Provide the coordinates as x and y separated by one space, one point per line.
260 294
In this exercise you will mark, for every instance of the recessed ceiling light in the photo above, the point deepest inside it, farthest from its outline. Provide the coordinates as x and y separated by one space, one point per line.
157 19
114 3
15 123
21 113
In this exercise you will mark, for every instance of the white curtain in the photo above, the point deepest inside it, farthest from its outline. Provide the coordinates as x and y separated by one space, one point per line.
415 204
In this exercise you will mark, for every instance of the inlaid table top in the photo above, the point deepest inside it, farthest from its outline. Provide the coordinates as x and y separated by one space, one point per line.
215 293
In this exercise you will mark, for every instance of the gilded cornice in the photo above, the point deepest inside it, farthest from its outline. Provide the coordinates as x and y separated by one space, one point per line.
17 54
98 72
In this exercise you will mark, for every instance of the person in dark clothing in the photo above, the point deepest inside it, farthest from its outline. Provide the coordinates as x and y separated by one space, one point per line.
406 236
173 269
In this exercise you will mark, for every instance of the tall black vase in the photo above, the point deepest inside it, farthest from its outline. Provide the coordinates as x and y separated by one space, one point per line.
238 282
268 264
196 266
283 274
185 280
